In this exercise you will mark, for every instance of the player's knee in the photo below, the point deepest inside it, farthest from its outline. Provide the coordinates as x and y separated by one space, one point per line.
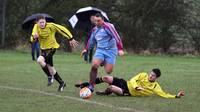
109 71
52 70
106 78
40 61
110 87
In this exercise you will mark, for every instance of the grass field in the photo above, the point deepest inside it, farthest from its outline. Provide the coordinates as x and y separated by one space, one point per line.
23 84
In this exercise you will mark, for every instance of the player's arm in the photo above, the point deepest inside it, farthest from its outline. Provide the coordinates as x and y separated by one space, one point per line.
65 32
113 32
32 39
62 30
134 81
34 35
118 39
158 90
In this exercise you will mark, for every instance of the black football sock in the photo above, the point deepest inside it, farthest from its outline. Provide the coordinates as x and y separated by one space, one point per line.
84 84
46 71
58 78
98 80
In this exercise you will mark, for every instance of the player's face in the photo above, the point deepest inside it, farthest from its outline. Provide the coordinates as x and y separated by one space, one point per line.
98 21
152 76
92 19
42 23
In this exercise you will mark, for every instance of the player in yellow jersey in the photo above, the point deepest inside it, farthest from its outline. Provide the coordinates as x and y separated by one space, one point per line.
142 84
44 32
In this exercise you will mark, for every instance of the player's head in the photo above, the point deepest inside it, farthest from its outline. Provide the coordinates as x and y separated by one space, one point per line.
154 74
41 21
92 19
98 19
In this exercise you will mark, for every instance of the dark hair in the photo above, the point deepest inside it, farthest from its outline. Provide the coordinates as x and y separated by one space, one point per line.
39 17
99 15
157 72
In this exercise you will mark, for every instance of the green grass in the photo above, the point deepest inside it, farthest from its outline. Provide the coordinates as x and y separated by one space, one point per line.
23 84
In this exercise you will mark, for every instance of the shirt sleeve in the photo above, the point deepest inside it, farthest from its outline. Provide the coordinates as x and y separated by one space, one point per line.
31 39
34 31
62 30
158 90
112 31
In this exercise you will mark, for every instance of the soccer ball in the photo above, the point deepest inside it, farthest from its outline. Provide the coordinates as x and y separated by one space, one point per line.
85 93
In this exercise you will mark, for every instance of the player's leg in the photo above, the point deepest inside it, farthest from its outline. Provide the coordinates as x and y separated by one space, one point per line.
93 73
42 63
57 77
98 80
106 56
107 79
111 89
94 69
110 60
108 68
118 86
97 60
52 70
115 89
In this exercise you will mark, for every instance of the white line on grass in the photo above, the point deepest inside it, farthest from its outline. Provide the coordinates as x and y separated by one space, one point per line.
72 98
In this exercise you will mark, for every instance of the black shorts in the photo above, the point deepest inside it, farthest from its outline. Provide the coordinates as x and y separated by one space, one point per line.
121 83
48 55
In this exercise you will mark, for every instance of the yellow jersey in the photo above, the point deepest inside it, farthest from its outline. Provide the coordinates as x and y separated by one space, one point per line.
150 88
47 35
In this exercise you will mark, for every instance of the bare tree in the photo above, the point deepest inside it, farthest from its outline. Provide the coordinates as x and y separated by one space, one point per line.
3 22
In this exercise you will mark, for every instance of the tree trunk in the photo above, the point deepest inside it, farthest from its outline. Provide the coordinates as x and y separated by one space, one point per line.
3 22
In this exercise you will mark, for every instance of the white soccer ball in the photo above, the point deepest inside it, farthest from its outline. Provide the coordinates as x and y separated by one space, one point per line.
85 93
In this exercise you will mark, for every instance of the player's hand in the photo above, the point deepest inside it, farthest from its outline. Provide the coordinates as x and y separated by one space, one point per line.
83 52
73 43
35 36
180 94
121 52
139 88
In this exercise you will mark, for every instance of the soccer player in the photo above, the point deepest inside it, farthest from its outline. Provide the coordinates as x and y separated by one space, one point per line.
44 32
143 84
108 45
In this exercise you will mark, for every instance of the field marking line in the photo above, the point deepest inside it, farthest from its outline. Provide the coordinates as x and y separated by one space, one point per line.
72 98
